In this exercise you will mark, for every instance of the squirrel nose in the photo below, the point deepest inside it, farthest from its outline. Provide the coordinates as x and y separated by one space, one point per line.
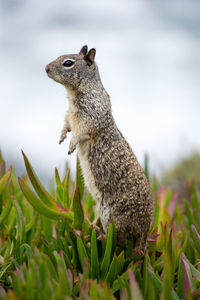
47 68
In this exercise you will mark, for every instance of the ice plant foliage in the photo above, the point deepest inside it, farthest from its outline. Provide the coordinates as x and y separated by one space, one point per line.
50 248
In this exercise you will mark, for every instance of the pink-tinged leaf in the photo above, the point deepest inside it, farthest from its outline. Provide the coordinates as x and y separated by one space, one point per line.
193 228
5 179
196 294
39 188
194 271
86 286
3 295
162 195
39 205
153 236
134 287
195 237
150 240
172 205
187 275
60 208
2 168
70 278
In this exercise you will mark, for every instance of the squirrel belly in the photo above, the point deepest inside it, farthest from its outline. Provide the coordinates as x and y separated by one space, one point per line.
87 172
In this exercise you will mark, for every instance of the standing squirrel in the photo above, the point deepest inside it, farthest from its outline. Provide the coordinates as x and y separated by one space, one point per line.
110 169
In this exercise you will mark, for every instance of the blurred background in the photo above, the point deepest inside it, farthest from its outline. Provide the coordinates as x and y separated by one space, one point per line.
148 53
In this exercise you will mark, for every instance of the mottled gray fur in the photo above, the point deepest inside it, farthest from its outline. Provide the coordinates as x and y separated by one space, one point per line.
110 168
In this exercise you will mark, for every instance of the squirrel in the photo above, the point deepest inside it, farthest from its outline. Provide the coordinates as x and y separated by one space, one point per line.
110 169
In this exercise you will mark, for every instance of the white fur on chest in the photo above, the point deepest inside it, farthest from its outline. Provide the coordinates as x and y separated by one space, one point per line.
87 173
82 150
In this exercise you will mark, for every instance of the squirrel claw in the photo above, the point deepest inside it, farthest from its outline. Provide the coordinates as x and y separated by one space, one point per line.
62 138
139 252
101 236
72 147
98 230
71 150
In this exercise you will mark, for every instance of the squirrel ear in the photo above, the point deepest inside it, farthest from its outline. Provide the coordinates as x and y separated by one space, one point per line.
89 57
84 50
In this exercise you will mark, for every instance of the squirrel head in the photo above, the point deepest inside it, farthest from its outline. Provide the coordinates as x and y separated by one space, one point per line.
71 69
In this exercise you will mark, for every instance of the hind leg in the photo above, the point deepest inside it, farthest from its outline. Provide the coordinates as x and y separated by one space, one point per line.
140 243
104 214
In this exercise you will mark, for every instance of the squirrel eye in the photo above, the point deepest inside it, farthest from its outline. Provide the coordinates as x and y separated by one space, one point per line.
68 63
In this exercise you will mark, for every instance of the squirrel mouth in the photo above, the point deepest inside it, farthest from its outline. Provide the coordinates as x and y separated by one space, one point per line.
47 69
49 73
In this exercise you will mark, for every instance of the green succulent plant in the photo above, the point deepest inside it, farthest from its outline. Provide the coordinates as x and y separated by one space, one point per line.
50 249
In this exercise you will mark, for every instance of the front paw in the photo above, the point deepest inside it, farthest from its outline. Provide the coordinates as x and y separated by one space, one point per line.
64 132
72 147
62 138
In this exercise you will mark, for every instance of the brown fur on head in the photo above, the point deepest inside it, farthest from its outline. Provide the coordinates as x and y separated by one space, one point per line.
70 69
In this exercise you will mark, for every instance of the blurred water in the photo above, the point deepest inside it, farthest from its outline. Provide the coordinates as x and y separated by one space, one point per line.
148 54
